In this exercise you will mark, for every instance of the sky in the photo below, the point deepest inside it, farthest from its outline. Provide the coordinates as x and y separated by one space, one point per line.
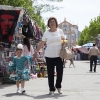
76 12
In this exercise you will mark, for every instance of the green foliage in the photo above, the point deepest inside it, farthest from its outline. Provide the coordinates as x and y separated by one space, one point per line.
90 33
34 10
55 0
45 7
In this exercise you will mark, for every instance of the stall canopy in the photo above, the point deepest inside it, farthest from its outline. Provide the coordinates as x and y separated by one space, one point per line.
81 49
77 46
88 45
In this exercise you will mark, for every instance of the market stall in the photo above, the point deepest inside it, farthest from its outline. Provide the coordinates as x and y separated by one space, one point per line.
15 25
82 53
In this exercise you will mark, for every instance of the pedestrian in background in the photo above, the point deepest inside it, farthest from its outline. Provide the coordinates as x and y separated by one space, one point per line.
72 59
65 61
75 55
52 38
71 62
93 54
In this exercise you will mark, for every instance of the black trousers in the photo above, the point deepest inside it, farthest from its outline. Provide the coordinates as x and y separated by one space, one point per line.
93 59
51 63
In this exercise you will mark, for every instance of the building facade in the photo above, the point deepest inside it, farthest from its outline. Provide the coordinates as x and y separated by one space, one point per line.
71 32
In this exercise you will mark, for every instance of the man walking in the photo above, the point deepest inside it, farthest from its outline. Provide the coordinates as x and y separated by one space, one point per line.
93 53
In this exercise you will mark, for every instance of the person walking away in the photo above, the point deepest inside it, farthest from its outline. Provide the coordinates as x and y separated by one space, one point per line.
72 62
72 59
93 53
65 61
52 38
17 68
75 55
78 55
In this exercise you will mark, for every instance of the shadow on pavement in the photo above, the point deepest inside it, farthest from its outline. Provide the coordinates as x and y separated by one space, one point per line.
56 96
89 62
86 62
49 96
5 85
97 83
12 94
17 94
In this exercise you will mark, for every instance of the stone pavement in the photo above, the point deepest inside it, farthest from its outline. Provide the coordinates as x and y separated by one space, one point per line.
78 84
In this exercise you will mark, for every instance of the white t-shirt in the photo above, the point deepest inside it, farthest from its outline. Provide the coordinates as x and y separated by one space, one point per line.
53 42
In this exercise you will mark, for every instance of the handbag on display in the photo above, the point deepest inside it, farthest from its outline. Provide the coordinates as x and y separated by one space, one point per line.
66 53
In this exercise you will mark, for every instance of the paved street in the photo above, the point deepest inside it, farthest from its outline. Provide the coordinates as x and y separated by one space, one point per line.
78 84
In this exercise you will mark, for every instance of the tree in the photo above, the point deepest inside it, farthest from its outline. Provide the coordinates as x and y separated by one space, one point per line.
43 8
33 9
90 33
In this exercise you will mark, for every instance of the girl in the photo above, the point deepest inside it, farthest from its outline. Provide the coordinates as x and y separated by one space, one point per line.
28 50
19 72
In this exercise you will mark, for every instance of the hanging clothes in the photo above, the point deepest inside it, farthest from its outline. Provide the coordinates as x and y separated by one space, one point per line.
28 31
27 28
37 32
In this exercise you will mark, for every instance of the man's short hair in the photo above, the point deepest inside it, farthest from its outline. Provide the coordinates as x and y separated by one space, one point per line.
94 44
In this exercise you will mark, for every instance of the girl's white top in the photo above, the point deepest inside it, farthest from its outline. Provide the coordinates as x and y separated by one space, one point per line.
26 52
53 42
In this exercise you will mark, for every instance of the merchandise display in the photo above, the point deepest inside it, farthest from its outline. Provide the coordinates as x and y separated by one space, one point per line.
22 26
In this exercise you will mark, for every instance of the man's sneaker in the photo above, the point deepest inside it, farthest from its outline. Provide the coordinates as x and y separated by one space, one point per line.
51 93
